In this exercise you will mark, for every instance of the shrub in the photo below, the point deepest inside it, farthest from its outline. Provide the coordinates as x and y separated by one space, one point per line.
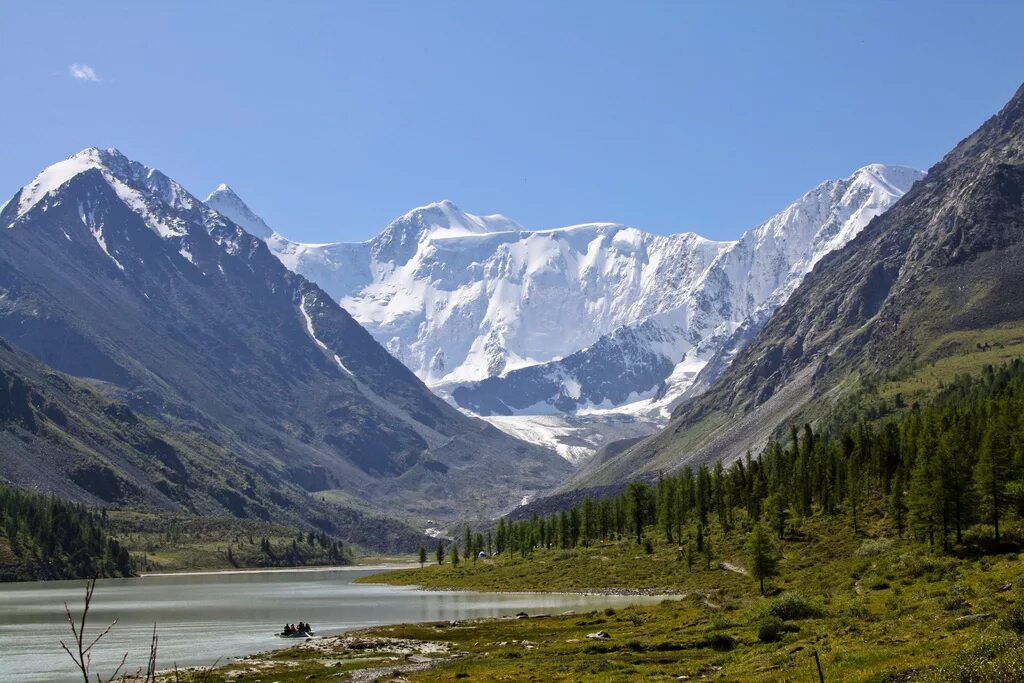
609 611
770 630
924 564
876 583
719 641
1013 620
859 610
873 547
957 598
1000 660
793 605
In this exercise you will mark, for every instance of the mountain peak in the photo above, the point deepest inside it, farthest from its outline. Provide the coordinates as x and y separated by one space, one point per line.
56 175
227 203
895 180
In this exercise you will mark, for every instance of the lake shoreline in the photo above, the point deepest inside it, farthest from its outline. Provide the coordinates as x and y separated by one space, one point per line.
235 614
277 570
592 592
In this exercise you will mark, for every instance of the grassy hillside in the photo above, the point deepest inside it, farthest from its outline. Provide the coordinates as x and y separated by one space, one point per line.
875 608
930 287
45 538
163 542
888 542
42 537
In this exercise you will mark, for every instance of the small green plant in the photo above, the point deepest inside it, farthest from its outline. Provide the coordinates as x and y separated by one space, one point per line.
719 641
998 660
957 598
1013 620
873 547
770 629
793 605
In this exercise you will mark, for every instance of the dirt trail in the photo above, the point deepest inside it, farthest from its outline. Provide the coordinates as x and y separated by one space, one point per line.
729 566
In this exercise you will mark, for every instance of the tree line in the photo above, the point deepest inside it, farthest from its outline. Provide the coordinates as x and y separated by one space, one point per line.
934 471
46 538
310 548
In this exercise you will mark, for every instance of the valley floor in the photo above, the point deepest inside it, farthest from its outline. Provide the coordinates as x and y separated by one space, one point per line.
872 608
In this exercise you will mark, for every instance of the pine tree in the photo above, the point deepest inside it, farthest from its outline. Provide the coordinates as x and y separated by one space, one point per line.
761 555
501 536
777 509
455 555
667 507
587 521
992 472
637 492
924 500
423 555
898 503
439 552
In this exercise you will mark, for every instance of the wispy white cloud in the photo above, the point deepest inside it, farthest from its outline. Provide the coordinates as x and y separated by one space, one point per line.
83 72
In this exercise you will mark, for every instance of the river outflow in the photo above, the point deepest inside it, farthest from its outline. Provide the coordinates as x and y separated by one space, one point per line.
204 617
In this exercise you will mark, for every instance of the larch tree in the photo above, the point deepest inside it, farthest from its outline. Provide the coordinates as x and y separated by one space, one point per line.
992 472
762 555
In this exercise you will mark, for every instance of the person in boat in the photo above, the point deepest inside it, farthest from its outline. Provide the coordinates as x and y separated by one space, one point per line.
309 629
287 630
302 627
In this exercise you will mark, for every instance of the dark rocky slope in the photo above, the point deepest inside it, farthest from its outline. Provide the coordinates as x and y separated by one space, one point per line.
62 437
111 272
945 263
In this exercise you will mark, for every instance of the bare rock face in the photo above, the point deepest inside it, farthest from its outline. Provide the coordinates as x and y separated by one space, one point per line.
113 273
509 322
945 258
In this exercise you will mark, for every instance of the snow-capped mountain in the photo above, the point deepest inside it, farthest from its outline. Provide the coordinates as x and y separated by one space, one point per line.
644 368
459 297
230 205
590 320
112 272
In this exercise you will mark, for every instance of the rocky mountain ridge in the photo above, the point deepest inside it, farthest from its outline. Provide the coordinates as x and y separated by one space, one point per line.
574 337
937 276
113 273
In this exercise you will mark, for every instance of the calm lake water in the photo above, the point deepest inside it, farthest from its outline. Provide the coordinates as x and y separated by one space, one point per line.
203 617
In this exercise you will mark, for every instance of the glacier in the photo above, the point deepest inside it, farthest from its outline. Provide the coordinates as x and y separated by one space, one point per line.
574 336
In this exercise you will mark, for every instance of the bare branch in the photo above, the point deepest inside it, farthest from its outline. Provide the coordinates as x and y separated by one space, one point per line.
151 668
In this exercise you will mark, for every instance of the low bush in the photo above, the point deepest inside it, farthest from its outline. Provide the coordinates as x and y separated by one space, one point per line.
873 547
1000 660
719 641
922 563
793 605
1013 620
770 629
957 598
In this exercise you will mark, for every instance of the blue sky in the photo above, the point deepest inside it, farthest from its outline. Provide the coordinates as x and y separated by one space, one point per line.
332 118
